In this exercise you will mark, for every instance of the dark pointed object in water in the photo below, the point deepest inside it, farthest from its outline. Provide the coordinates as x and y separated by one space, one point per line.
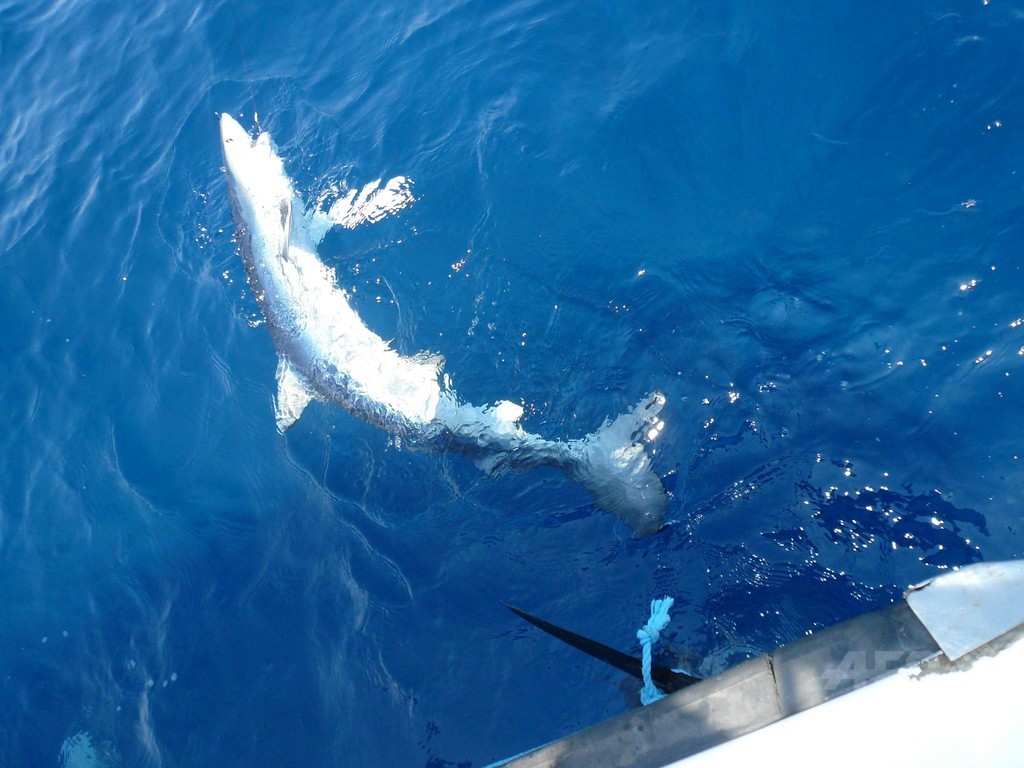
668 680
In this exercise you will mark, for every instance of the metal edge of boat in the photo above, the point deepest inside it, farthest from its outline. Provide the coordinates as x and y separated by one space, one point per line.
940 625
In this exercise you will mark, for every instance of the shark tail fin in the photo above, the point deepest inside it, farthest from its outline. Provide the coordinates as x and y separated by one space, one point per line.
614 466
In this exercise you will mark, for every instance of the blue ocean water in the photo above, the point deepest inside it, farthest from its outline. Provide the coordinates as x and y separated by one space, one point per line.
802 222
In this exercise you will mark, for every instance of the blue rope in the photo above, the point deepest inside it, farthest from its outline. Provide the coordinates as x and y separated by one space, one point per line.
648 635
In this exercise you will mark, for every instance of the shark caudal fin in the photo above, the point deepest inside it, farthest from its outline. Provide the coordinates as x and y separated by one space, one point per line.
614 466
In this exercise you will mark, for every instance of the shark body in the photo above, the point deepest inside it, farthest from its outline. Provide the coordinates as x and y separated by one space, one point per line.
326 352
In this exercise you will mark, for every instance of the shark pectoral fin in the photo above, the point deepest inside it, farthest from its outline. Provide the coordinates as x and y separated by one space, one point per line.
500 421
508 412
372 203
293 395
493 464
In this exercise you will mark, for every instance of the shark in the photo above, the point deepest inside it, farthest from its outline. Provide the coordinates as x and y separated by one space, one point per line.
325 352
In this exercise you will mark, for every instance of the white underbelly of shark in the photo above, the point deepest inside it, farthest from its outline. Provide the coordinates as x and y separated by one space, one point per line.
326 352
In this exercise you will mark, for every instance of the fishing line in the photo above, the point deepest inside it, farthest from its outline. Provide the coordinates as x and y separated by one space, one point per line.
245 65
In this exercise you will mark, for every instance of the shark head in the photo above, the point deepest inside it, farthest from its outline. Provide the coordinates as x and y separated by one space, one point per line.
259 187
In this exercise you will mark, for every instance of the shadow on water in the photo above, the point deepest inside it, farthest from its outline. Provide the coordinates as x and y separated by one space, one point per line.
905 521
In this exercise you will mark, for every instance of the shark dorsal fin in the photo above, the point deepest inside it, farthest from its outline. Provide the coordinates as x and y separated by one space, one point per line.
286 227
